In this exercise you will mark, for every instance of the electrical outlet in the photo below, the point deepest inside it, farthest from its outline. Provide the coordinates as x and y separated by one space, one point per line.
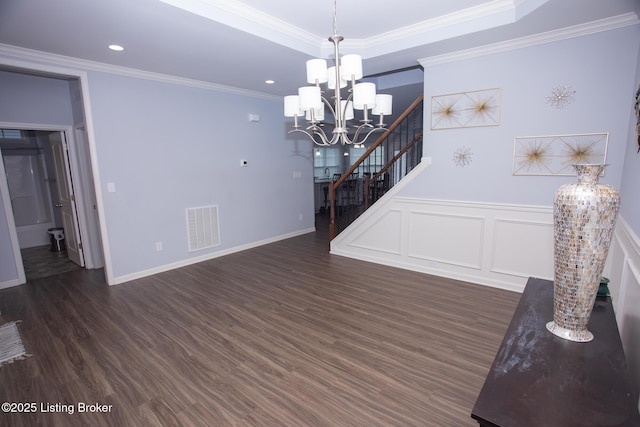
300 217
158 246
244 163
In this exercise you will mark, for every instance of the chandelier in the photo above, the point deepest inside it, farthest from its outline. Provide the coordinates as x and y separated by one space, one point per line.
311 103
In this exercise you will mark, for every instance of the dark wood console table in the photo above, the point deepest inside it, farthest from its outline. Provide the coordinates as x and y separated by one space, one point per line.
538 379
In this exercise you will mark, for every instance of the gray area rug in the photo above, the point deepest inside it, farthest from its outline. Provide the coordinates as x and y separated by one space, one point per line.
11 347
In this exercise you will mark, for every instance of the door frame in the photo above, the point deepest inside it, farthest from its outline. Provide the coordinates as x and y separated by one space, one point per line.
31 67
78 190
67 186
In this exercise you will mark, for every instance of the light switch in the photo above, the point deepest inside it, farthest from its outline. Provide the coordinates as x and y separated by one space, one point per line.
111 187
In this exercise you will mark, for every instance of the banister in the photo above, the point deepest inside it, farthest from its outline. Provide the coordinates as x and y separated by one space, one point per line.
333 185
381 138
397 156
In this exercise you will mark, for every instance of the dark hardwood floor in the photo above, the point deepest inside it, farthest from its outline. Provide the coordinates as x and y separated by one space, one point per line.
40 262
284 334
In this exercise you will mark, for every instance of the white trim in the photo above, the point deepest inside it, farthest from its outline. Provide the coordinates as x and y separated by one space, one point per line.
475 205
13 233
534 40
629 243
67 61
482 17
171 266
253 21
12 283
245 18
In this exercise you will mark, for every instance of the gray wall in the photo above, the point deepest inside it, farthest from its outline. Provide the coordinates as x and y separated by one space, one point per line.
629 190
601 69
167 147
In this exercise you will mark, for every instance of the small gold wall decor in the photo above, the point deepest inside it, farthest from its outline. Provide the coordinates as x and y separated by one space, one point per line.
556 154
466 109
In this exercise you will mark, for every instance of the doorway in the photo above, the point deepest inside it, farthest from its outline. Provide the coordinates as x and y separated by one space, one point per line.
44 194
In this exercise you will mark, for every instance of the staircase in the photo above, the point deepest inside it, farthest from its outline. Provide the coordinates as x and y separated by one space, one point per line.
394 154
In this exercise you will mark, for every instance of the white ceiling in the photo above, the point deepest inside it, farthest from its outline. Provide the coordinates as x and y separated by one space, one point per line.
243 43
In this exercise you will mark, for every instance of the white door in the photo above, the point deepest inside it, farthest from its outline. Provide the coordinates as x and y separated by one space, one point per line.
66 199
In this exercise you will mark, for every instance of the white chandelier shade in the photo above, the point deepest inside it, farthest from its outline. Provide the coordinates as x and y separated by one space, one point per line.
384 105
316 71
312 105
331 79
352 67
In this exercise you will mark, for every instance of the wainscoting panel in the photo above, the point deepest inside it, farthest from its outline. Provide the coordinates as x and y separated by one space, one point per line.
433 237
510 234
382 235
624 271
491 244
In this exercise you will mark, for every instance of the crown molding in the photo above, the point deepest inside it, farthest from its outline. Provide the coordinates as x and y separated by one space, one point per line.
464 22
253 21
41 61
538 39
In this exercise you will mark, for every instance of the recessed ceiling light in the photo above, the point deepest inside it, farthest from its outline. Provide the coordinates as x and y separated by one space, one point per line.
269 82
116 47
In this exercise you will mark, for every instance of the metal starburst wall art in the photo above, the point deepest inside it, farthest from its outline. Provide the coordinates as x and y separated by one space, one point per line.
462 156
561 96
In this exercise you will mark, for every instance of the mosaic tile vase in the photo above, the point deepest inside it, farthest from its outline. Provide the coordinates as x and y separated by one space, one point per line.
584 215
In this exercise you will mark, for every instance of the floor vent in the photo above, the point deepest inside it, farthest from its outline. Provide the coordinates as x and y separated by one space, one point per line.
203 228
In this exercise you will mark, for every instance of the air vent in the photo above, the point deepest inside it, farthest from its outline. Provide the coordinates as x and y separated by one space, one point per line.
202 227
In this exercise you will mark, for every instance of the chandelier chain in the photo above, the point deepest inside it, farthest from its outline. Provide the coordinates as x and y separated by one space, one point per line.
335 17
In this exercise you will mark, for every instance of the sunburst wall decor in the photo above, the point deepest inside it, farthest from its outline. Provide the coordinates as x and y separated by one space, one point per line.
561 96
555 154
462 156
466 109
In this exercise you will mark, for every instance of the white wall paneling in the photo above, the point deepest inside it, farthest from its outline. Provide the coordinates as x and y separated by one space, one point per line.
624 287
512 233
434 236
386 235
492 244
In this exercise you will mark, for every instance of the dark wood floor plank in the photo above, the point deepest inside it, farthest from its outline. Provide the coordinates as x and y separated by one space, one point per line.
284 334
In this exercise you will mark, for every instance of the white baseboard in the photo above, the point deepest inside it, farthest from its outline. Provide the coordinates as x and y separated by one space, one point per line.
10 283
140 274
